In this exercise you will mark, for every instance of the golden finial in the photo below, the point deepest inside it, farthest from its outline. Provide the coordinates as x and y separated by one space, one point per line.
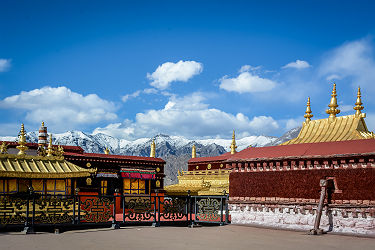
3 148
233 145
60 151
50 148
333 111
358 104
308 112
22 141
106 151
152 153
193 152
43 124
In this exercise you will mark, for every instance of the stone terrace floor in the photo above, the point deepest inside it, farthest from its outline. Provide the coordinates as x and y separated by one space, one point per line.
228 237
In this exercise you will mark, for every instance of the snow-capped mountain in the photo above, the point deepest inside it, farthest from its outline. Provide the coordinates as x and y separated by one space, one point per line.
291 134
175 150
165 144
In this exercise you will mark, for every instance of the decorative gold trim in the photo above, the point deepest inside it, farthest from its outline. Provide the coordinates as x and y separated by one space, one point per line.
17 174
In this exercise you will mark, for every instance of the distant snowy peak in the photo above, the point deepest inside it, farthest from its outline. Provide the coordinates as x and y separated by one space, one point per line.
165 144
254 141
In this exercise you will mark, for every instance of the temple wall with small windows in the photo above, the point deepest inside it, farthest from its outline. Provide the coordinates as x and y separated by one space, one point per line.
64 170
322 180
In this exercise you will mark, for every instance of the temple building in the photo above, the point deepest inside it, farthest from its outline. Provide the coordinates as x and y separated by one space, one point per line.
329 166
129 174
45 174
55 169
205 175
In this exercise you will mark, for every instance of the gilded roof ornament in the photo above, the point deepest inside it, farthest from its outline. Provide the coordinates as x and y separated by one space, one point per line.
50 147
193 152
106 151
358 104
22 141
153 153
333 111
308 112
233 145
4 148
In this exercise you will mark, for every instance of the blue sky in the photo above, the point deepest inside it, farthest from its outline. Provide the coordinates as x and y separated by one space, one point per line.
192 68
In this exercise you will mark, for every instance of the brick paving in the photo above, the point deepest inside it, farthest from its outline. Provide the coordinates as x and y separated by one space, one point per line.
214 237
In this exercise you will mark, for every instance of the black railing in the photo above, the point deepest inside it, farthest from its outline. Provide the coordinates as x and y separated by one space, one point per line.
33 209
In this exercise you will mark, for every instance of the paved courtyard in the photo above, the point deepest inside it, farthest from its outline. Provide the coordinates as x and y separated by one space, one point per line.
226 237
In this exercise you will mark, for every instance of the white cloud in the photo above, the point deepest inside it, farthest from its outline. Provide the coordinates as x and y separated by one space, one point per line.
4 64
189 116
246 68
293 123
346 108
353 60
125 98
60 107
170 72
298 64
246 82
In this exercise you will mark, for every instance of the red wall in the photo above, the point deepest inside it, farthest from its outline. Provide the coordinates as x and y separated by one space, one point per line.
356 184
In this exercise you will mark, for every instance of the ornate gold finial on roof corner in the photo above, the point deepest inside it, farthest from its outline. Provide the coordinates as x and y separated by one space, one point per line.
193 151
308 112
60 151
4 148
106 151
42 123
153 153
333 110
233 145
358 105
22 141
50 147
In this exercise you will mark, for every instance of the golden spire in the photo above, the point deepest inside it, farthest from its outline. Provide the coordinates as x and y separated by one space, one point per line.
43 124
3 148
308 112
333 111
358 104
22 141
106 151
50 148
193 152
152 153
233 145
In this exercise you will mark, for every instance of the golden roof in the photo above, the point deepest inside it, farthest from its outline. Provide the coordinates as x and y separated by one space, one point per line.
206 182
333 128
27 166
342 128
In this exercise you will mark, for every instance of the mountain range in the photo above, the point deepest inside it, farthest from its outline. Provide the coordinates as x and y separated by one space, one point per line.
175 150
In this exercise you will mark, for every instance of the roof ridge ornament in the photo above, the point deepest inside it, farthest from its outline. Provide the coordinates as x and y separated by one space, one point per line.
358 104
333 111
233 145
153 153
22 141
106 151
4 148
50 147
308 112
193 152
